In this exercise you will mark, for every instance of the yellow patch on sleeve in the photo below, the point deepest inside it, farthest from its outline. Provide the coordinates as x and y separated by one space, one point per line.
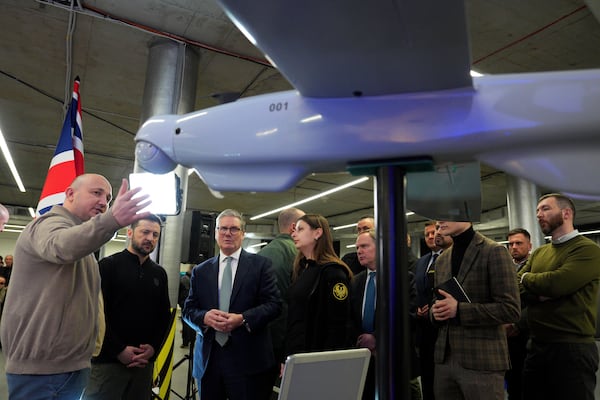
340 291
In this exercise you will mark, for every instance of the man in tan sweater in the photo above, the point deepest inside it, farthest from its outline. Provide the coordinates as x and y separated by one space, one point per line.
50 319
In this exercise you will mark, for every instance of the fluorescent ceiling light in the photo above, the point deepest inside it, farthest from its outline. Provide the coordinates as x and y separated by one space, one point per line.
261 244
31 212
10 162
119 237
12 230
336 228
328 192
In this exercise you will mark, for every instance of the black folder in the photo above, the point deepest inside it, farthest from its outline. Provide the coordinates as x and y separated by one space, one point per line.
455 289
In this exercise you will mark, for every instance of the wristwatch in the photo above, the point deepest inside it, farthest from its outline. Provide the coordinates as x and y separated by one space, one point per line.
247 325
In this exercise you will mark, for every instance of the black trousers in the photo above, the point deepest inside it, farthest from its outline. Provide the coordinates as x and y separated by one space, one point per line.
427 336
558 371
517 349
223 379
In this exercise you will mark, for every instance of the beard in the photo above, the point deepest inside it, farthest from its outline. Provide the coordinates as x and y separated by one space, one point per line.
519 257
552 223
139 248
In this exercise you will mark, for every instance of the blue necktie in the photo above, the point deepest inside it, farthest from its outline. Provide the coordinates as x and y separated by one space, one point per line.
224 297
368 322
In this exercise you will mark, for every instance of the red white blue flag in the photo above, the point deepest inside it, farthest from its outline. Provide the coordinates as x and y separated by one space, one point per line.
67 162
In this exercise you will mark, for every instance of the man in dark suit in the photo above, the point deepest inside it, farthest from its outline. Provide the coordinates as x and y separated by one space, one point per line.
426 331
363 308
471 354
233 297
364 328
364 224
519 246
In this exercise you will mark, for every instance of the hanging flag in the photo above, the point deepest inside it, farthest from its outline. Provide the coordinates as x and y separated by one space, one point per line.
67 162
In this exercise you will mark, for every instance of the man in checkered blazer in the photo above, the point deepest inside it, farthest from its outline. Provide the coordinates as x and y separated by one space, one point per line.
471 352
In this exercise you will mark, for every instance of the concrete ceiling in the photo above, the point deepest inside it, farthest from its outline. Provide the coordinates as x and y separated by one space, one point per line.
109 53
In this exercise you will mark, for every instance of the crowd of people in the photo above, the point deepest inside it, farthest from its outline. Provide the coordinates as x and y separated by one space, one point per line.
486 320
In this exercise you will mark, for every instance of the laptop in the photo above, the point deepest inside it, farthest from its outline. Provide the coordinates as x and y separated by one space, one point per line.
325 375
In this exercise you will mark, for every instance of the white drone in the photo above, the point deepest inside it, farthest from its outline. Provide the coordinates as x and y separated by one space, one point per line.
381 80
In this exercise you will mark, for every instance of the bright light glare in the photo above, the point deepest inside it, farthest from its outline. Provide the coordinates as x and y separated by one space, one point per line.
311 118
161 188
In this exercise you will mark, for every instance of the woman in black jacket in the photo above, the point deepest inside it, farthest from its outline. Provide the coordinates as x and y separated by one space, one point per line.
319 316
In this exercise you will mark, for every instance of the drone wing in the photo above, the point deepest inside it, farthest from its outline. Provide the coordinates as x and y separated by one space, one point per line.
350 48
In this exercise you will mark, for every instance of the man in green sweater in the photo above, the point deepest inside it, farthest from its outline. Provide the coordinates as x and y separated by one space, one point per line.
560 285
282 251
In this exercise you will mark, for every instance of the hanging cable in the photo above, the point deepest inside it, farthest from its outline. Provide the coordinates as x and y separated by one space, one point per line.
69 55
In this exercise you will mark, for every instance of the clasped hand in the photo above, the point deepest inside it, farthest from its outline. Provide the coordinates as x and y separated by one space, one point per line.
133 356
222 321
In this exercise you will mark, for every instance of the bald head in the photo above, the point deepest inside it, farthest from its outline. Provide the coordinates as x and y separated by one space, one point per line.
4 216
287 219
87 196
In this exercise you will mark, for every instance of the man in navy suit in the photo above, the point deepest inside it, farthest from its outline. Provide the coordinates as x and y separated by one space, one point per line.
364 319
232 299
426 332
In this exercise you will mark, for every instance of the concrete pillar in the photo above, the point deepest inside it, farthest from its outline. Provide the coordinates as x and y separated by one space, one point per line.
521 199
170 88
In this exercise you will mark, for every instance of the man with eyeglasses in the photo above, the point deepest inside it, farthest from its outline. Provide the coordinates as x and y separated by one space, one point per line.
233 297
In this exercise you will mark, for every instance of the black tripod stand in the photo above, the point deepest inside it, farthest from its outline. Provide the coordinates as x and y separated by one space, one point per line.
191 390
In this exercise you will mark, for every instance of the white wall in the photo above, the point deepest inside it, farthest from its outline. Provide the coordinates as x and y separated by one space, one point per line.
7 242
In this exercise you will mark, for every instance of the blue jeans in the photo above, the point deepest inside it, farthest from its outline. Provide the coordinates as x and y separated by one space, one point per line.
66 386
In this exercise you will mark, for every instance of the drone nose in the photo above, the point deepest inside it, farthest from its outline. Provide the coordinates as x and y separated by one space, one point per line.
153 159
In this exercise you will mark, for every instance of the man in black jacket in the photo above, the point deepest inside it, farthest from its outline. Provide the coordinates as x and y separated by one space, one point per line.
137 309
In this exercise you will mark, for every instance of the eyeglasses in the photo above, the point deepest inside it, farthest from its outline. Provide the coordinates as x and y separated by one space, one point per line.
234 230
362 229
